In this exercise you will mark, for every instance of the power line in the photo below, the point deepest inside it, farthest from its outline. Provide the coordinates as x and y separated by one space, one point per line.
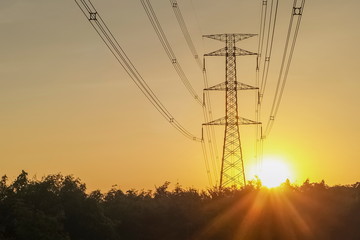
263 17
112 44
269 46
261 32
286 62
270 30
210 132
184 29
207 166
171 55
168 49
267 34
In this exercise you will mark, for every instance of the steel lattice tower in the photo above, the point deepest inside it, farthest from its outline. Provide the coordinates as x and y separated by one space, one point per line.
232 165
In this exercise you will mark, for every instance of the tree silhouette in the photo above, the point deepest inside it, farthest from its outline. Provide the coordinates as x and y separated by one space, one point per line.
58 207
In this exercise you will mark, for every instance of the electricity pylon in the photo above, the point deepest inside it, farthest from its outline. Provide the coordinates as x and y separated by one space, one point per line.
232 165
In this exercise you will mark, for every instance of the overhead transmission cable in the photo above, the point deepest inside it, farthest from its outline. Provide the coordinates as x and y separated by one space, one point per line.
170 53
258 128
297 11
110 41
269 45
210 131
207 166
267 31
168 49
263 18
184 29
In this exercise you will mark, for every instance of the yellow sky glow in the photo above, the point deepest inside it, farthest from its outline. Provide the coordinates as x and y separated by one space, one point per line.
67 106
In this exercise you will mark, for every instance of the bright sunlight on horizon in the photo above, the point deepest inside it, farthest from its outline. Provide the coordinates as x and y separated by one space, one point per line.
272 171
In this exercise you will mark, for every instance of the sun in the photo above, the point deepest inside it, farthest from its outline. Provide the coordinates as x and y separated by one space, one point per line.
272 171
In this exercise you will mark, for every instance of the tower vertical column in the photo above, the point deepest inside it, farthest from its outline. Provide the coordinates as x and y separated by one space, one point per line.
232 169
232 164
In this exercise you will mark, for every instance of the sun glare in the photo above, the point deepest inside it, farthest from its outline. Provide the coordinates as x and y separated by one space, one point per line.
272 172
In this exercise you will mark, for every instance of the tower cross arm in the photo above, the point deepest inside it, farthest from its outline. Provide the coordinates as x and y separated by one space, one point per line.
222 121
237 52
242 52
223 37
222 87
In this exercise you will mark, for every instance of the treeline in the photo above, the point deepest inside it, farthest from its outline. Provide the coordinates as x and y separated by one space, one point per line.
58 207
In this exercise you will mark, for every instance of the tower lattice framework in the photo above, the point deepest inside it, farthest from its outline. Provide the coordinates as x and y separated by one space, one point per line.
232 164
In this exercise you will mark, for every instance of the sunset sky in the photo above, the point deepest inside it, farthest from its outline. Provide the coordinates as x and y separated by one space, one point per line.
67 106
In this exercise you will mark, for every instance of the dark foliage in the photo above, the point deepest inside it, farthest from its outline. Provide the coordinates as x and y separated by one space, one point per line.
58 208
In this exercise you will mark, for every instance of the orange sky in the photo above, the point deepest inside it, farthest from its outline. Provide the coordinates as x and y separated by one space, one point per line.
67 106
